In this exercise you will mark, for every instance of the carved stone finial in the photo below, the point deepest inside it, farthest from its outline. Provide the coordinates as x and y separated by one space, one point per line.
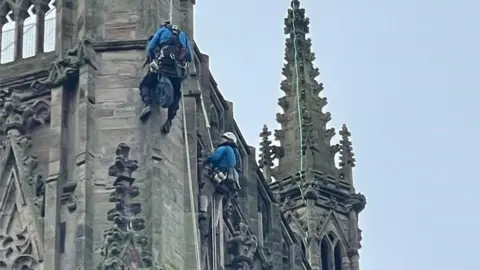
266 154
242 245
123 165
66 70
346 150
124 247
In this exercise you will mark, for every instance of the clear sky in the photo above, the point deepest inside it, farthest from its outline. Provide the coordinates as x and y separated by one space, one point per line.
404 76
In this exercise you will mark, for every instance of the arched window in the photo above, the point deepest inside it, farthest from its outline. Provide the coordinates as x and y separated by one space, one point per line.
8 39
50 28
326 252
29 33
286 256
337 256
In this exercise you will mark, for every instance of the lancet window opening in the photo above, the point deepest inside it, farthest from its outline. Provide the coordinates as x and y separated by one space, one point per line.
331 252
27 30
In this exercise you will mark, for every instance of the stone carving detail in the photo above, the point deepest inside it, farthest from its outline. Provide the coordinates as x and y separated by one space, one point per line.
17 119
269 153
242 245
22 116
356 202
124 248
66 70
266 153
18 249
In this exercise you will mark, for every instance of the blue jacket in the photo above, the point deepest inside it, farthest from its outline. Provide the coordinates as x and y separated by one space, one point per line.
224 158
163 35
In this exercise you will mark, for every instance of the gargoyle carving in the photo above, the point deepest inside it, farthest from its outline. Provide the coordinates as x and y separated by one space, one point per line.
356 202
66 69
242 245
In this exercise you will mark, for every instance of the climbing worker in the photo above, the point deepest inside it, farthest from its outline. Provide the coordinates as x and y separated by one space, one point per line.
226 160
225 165
168 54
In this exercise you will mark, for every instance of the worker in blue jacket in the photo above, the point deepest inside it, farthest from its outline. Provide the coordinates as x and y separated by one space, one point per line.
225 161
168 54
224 175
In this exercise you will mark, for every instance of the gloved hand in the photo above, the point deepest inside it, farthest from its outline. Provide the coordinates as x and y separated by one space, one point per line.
153 66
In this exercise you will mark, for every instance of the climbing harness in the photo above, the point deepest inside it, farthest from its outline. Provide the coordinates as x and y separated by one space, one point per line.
300 119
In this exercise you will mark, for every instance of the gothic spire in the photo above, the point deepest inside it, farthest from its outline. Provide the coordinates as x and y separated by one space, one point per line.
304 134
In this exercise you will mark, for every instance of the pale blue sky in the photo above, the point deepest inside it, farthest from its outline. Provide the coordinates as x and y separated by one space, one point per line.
404 75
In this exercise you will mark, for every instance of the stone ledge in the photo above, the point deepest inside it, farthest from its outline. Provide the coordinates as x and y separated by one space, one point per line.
120 45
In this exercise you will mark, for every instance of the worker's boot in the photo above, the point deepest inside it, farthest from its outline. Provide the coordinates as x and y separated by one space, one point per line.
147 111
166 127
145 114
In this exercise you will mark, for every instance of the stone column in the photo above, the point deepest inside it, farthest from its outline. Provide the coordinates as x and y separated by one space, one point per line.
355 204
65 26
40 9
18 33
191 190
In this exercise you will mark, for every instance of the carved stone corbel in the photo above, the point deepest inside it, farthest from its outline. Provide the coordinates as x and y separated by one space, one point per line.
68 197
242 246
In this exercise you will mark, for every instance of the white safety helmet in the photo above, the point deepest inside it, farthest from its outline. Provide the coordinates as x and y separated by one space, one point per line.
230 136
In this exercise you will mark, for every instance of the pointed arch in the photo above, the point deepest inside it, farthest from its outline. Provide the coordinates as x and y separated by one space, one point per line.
29 33
18 235
49 43
7 46
338 254
326 253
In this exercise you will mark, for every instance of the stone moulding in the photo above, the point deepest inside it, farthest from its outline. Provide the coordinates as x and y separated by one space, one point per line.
124 247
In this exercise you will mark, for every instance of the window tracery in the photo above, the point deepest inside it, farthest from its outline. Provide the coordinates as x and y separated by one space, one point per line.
8 38
27 28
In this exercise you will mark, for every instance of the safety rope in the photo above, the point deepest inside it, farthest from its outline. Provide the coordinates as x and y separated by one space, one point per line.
190 187
300 119
189 175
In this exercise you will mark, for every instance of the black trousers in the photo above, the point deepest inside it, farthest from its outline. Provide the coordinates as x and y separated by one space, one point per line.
147 92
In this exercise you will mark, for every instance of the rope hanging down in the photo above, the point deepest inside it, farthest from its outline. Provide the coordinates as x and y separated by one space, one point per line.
187 150
299 113
189 175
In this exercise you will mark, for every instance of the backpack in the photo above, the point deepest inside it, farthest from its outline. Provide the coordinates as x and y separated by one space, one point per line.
174 46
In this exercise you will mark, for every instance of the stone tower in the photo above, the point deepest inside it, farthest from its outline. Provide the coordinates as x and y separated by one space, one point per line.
85 185
318 199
